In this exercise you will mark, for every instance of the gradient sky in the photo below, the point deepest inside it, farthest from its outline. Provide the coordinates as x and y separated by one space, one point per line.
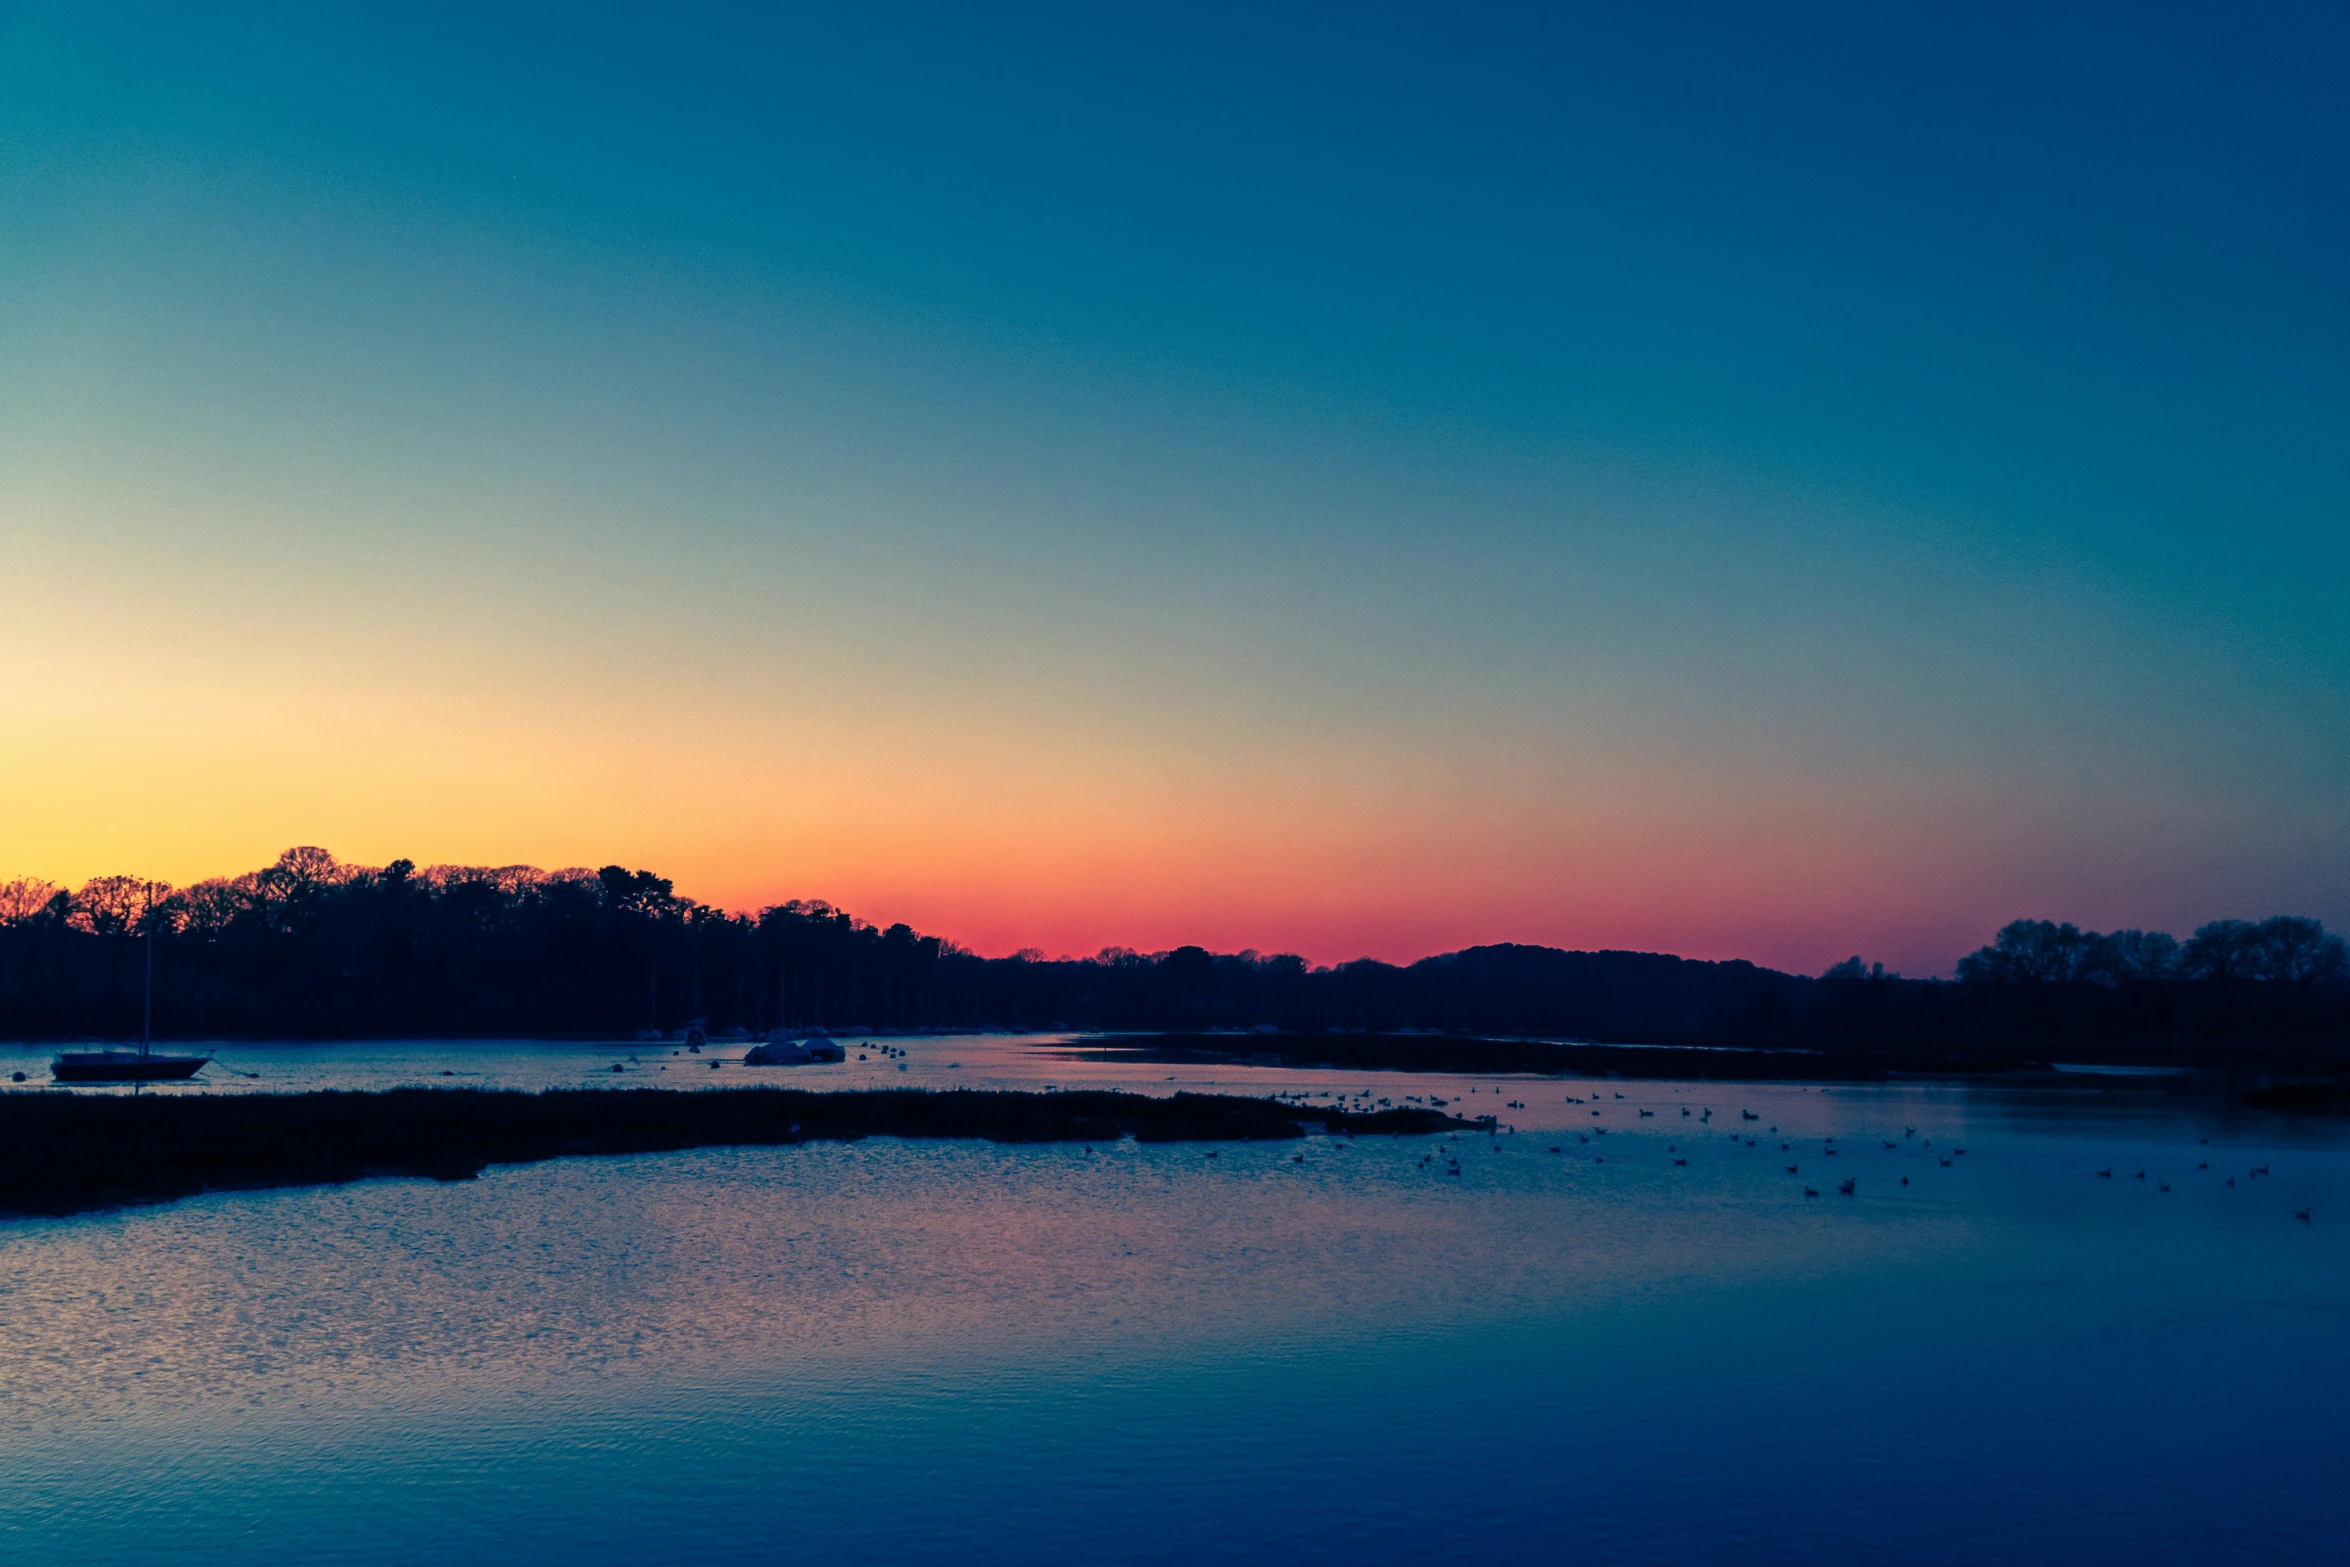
1351 480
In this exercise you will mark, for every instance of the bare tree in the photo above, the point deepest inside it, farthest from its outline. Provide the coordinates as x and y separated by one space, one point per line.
285 891
2222 949
2295 952
114 905
2036 951
2142 955
210 907
24 898
309 865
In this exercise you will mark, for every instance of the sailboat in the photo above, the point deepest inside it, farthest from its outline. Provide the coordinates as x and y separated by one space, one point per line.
142 1065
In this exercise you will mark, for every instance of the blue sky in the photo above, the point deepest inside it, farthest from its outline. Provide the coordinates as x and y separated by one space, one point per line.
1362 479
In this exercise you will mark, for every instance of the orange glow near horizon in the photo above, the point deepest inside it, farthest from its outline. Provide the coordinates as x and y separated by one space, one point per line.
1004 822
1054 839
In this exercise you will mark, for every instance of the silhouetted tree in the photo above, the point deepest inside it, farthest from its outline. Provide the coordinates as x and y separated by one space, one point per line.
2221 950
2296 953
23 899
2034 951
112 905
310 947
2137 956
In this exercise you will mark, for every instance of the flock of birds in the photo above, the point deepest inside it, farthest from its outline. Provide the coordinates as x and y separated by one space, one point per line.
1847 1187
2162 1188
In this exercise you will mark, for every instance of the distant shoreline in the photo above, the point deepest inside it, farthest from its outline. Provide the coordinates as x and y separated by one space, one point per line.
1427 1050
310 948
63 1153
1738 1061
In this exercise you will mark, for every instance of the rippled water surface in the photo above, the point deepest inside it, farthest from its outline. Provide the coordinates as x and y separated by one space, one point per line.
1326 1350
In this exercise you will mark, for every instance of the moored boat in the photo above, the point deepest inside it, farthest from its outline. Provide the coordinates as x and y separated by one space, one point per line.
124 1066
131 1066
788 1047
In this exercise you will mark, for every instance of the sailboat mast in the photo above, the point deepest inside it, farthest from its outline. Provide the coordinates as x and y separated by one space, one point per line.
147 1007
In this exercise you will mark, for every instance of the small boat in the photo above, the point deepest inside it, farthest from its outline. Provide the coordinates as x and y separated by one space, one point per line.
786 1047
124 1066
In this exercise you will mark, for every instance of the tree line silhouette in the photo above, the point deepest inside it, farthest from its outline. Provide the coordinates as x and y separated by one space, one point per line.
312 948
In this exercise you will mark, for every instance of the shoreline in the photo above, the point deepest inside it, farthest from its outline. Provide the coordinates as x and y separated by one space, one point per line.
1646 1056
1658 1060
63 1154
1651 1056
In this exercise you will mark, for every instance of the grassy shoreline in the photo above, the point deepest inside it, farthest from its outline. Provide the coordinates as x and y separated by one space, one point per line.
69 1153
1825 1061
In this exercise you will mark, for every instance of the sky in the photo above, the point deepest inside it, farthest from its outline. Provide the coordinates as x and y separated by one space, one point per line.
1361 480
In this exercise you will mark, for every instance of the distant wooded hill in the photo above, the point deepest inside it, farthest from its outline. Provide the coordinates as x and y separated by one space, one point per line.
310 948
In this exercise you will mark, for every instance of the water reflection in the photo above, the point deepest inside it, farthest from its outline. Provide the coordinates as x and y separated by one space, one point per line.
1645 1346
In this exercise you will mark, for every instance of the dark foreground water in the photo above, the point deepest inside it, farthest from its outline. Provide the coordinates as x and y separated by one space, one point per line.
977 1354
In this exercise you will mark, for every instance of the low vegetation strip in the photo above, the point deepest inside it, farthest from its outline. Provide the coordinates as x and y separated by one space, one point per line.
72 1153
1823 1062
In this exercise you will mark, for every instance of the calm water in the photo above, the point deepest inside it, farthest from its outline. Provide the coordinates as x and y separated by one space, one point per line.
957 1352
